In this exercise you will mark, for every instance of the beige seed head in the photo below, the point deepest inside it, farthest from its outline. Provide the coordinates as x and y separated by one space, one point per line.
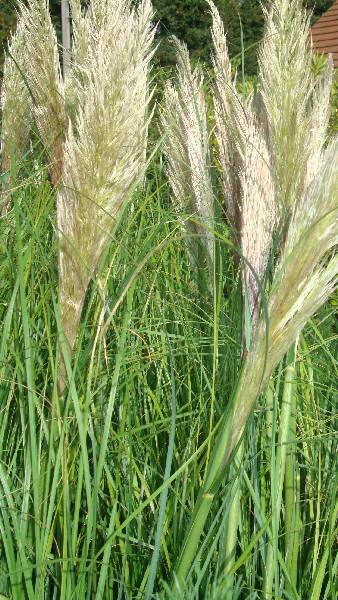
186 147
16 106
104 149
45 81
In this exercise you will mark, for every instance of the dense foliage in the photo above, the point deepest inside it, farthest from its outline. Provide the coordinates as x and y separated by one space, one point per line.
170 336
182 445
189 21
7 24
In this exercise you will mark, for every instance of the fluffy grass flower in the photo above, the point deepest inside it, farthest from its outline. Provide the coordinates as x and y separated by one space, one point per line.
186 147
93 124
288 178
45 81
104 150
16 107
245 160
296 105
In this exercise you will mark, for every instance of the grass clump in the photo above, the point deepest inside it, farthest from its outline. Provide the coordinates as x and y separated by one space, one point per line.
181 444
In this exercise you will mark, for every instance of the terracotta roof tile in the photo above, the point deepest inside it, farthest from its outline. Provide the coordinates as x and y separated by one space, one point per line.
325 33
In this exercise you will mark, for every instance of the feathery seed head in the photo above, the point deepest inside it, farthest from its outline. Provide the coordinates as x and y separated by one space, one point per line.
305 278
319 115
305 173
258 210
45 81
245 160
16 104
104 150
286 85
186 146
226 101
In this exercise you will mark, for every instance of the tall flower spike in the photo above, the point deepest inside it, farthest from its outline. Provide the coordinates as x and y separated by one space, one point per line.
45 82
225 99
104 148
16 107
305 278
286 85
245 161
306 274
318 122
186 147
81 39
258 210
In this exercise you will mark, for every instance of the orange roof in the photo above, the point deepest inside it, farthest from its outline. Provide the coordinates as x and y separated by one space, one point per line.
325 33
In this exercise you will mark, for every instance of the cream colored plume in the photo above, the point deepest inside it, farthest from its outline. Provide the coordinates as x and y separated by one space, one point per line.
246 169
258 210
287 86
105 143
81 39
186 147
16 108
307 271
93 125
285 168
45 81
288 176
319 115
306 276
226 101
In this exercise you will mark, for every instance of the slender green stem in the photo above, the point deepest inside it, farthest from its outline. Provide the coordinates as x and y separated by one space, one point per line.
29 366
251 379
292 493
279 470
233 520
